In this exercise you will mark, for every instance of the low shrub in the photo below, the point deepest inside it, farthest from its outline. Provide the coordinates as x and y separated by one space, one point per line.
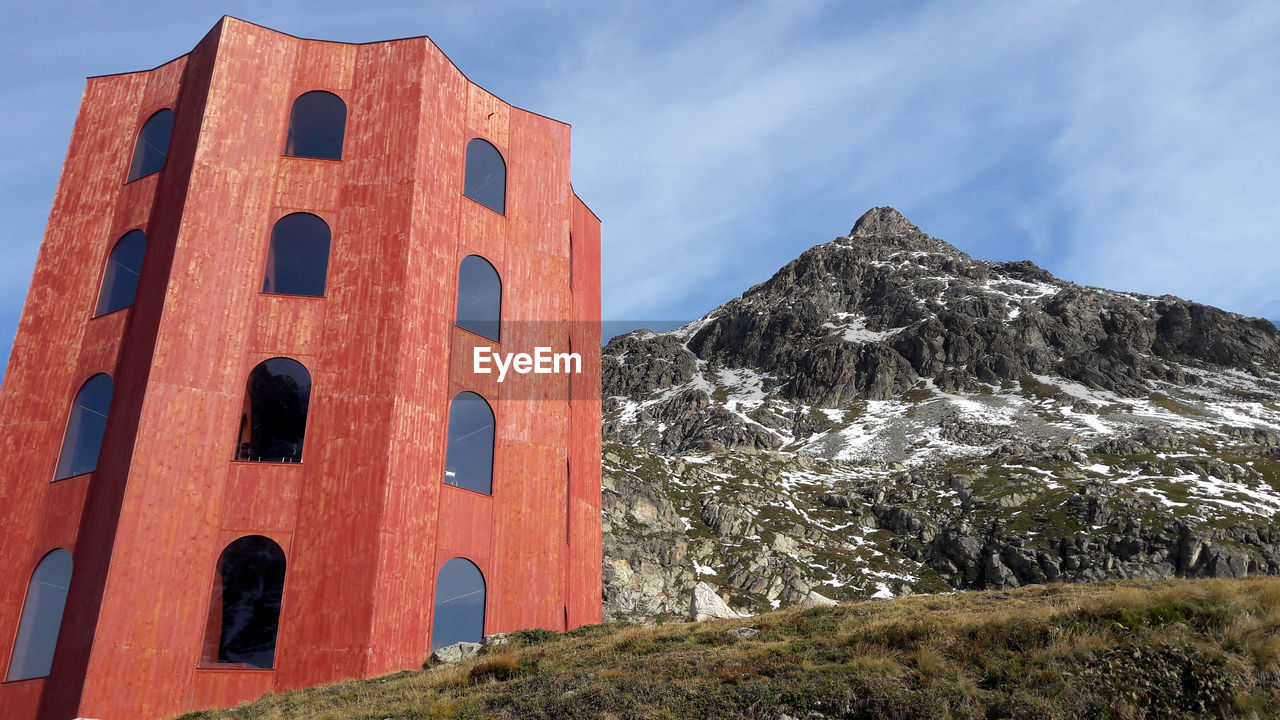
498 668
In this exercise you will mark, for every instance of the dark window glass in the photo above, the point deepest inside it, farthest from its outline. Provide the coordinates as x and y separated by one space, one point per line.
275 412
245 608
459 612
124 267
486 180
88 421
41 617
153 145
479 297
468 461
316 125
298 258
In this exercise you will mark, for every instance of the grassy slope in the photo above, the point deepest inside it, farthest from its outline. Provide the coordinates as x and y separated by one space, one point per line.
1204 648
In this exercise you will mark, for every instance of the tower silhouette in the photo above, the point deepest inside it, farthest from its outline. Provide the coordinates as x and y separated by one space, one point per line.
244 441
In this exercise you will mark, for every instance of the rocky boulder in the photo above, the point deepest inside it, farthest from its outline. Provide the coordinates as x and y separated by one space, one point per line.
455 653
705 604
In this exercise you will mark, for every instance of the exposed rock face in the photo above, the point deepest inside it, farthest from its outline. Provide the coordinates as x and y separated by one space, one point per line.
816 599
647 564
914 307
705 604
660 361
888 415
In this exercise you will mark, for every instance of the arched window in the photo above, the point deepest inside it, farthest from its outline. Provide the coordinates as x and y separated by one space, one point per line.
124 267
275 412
244 610
459 611
468 461
152 146
83 440
298 258
479 297
41 617
486 179
316 126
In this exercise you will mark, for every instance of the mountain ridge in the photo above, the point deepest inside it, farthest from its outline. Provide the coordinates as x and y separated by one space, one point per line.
888 358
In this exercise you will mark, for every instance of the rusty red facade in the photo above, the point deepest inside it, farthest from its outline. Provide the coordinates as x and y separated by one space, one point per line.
365 520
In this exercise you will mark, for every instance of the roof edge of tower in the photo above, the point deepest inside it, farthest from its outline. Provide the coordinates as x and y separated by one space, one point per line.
212 30
584 204
225 18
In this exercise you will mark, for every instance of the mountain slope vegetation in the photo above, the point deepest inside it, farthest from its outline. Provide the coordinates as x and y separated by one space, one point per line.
1134 649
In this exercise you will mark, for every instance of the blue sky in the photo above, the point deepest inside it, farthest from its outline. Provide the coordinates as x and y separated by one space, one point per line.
1126 145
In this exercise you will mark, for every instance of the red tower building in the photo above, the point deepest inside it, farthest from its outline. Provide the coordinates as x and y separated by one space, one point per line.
244 442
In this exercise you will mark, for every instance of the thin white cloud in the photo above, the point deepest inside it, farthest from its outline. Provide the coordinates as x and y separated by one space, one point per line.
1170 163
1127 129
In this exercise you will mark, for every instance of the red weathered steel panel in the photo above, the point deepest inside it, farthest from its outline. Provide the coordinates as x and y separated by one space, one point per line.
21 699
585 578
214 688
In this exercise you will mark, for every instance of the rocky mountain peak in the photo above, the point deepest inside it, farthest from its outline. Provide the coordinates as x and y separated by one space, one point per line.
890 309
887 414
882 221
890 313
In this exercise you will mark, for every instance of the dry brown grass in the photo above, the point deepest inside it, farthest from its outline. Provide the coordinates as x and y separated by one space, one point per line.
1176 649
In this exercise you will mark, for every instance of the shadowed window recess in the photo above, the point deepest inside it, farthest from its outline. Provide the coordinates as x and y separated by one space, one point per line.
298 256
468 461
479 297
41 617
124 268
316 126
244 611
152 146
274 420
459 610
486 178
88 421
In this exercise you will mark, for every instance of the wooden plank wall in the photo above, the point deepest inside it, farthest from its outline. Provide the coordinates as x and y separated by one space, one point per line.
364 520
